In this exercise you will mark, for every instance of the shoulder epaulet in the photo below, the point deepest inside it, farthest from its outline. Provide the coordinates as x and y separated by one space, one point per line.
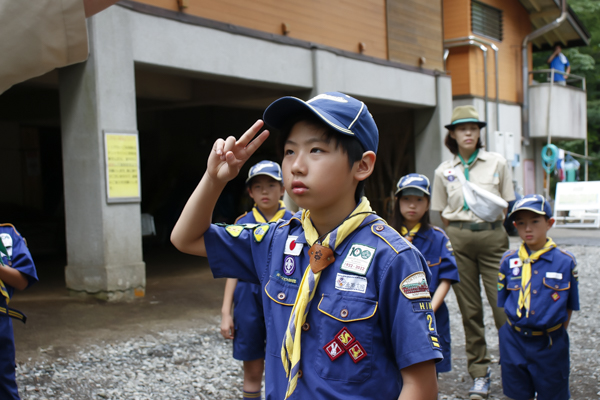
13 228
240 217
443 232
568 253
390 236
289 221
508 253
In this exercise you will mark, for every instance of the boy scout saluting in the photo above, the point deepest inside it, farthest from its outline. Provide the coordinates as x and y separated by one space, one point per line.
345 297
538 288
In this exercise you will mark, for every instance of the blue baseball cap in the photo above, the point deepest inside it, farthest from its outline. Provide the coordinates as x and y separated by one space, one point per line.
341 112
413 184
266 167
532 202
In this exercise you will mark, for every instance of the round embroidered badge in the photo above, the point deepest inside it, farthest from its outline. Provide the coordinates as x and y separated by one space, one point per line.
289 265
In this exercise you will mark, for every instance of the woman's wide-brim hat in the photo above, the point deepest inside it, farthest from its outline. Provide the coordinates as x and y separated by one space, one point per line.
463 115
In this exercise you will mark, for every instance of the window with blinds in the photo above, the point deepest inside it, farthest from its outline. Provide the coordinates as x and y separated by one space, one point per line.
486 20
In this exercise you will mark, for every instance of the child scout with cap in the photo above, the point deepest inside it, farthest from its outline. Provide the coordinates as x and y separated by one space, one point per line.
342 291
538 288
247 326
411 219
17 271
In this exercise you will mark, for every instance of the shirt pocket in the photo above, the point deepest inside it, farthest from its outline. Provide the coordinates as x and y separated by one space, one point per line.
455 196
356 315
513 284
557 284
282 297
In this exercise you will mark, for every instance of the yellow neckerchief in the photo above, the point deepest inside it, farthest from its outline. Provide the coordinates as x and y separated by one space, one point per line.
525 292
3 290
409 235
290 348
259 217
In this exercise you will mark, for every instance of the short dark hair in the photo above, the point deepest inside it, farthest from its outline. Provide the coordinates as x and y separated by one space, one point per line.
249 183
452 145
349 145
398 219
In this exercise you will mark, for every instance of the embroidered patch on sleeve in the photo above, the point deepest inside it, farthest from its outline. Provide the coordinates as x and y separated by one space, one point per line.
501 276
358 259
357 352
415 286
435 342
449 246
500 286
234 230
422 306
260 232
576 273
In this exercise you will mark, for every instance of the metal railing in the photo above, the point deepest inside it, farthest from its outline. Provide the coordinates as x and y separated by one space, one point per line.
571 79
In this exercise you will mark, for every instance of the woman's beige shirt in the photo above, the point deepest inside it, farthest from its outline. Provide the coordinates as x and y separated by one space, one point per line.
490 171
39 36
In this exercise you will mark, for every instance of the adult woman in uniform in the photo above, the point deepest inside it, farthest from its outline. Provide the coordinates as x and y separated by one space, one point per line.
478 245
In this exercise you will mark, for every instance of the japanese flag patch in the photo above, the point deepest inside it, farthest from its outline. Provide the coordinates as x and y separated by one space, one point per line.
358 259
415 286
515 263
291 247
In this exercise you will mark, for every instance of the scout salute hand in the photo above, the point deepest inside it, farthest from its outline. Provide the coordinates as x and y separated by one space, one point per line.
224 163
228 156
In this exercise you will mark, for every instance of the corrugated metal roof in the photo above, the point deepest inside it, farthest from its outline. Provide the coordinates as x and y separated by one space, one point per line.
570 33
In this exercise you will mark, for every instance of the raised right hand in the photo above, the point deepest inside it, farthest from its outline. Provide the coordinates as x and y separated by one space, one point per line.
228 156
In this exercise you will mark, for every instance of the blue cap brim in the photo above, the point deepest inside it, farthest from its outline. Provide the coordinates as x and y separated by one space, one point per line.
278 179
416 191
278 114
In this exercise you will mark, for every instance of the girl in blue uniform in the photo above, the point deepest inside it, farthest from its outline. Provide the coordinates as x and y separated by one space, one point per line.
247 325
411 219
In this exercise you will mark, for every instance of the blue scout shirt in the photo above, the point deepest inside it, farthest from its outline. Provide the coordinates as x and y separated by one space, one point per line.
554 288
376 289
437 250
20 258
559 63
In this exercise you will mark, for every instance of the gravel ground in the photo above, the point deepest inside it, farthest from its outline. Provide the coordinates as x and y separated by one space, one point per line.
198 364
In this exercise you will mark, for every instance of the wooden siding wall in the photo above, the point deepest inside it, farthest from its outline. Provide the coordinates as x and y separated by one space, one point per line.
465 65
414 31
341 24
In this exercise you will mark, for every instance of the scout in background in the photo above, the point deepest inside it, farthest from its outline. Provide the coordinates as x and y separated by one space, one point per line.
17 271
247 326
538 288
341 289
411 219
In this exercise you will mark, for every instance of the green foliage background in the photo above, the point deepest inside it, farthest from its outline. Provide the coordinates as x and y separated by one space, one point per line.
584 61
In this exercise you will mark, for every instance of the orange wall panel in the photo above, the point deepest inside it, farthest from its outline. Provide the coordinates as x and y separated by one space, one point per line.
341 24
516 26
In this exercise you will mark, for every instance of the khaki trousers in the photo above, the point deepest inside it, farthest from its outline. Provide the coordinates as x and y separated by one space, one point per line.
477 253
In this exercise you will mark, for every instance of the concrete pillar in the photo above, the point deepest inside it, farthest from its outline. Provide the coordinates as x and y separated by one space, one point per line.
104 241
430 133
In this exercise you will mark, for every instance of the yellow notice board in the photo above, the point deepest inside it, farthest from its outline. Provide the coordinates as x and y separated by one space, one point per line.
122 167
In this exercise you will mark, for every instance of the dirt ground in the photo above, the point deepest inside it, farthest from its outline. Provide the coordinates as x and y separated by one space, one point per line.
182 295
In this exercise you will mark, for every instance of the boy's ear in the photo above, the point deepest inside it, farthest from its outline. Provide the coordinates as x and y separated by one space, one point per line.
550 222
366 165
249 192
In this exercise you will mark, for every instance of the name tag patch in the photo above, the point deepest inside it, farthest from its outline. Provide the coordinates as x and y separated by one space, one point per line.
358 259
351 283
553 275
415 286
291 247
422 306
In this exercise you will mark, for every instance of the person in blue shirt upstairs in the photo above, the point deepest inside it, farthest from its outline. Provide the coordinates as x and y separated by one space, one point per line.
411 219
17 271
247 325
559 62
342 290
538 288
